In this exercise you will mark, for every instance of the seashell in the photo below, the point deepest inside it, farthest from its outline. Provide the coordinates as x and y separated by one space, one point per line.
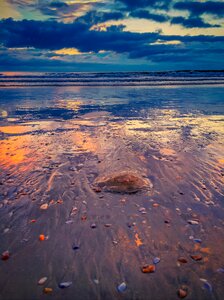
206 285
44 206
122 287
193 222
196 257
96 281
41 237
5 255
47 290
69 222
199 241
42 280
64 285
182 260
148 269
142 210
156 260
75 247
182 293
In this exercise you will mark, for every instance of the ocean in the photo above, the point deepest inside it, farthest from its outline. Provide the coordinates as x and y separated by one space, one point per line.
111 78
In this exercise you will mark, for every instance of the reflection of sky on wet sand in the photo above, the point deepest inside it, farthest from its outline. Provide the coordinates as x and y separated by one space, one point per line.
16 151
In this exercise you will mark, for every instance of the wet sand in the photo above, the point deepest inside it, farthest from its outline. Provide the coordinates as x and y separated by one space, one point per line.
97 237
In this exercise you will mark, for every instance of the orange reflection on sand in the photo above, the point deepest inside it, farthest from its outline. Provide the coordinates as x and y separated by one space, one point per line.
84 142
167 151
70 104
15 151
221 161
15 129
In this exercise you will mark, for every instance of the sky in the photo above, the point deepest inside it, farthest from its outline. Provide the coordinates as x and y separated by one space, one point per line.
111 35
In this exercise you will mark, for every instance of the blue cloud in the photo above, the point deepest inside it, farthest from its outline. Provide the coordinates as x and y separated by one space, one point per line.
132 4
94 17
192 22
144 14
199 8
52 35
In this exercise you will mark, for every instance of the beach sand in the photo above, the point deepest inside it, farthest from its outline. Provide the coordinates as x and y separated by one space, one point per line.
110 194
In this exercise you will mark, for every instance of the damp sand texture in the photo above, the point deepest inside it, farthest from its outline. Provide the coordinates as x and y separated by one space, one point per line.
111 193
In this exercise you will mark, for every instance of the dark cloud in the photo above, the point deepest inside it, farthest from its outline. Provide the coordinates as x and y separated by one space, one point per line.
132 4
94 17
52 35
192 22
114 28
144 14
199 8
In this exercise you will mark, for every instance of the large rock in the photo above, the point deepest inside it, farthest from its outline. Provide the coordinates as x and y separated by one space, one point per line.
123 182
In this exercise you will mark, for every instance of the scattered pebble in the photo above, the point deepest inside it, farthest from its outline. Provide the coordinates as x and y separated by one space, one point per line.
93 225
193 222
52 202
199 241
69 222
6 230
5 255
60 201
148 269
142 210
206 285
107 225
122 287
97 189
73 211
182 260
83 218
75 247
155 205
96 281
64 285
47 290
33 221
220 270
196 257
182 293
41 237
156 260
42 280
44 206
25 240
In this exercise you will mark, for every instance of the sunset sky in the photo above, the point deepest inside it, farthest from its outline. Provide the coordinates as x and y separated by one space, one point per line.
111 35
